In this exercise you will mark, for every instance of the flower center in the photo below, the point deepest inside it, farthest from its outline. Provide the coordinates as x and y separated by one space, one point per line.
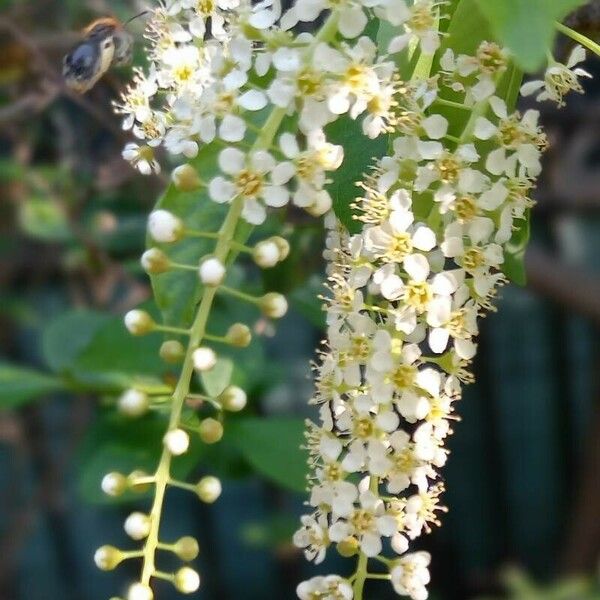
333 472
363 428
473 259
205 7
404 461
249 183
357 77
449 168
362 521
309 82
465 208
422 18
404 376
418 295
400 246
457 325
490 58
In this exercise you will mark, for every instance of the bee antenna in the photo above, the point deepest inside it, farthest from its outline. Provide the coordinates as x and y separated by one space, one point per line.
145 12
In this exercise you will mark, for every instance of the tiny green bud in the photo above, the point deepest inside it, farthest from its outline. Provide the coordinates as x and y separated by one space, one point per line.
108 558
233 398
139 322
186 179
208 489
348 547
154 261
186 580
172 352
186 548
239 335
114 484
273 305
211 431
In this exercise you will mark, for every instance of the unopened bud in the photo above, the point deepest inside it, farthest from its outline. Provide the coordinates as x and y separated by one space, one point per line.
208 489
233 399
348 547
266 254
164 226
133 403
172 351
204 359
283 245
154 261
273 305
139 322
187 581
210 431
211 271
239 335
140 591
137 526
114 484
177 441
185 178
186 548
107 558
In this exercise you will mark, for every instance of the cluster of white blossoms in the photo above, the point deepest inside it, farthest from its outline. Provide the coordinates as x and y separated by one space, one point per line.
405 296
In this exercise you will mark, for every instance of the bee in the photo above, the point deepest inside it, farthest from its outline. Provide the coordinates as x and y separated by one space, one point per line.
105 43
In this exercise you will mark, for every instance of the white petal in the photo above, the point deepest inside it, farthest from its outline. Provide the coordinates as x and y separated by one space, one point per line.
275 196
289 145
221 190
252 100
417 267
232 128
262 161
282 173
231 161
352 22
254 212
435 126
286 59
438 340
371 544
424 239
484 129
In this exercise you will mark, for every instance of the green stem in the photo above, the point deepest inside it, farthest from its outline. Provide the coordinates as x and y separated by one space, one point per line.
579 38
362 574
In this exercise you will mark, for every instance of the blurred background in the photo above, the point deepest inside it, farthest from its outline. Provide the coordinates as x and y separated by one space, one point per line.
524 476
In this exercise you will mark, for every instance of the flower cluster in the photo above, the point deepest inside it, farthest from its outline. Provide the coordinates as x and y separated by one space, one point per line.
406 294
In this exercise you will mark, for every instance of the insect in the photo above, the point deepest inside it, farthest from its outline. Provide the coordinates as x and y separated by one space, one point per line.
105 43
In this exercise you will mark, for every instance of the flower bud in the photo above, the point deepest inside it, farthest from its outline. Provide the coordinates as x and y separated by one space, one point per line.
233 399
114 484
266 254
177 441
204 359
239 335
283 245
139 322
211 271
210 431
108 558
348 547
186 581
154 261
185 178
273 305
208 489
164 226
140 591
186 548
137 526
133 403
172 351
321 205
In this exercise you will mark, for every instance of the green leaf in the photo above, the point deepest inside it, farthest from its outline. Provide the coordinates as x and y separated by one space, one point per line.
360 154
114 443
218 378
19 385
272 447
44 219
66 336
514 255
527 26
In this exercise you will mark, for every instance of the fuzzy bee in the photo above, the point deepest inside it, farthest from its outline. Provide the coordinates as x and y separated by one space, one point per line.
105 43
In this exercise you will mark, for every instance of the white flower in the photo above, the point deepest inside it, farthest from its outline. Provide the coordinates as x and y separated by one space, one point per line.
368 524
559 79
313 537
330 587
251 178
142 158
410 576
